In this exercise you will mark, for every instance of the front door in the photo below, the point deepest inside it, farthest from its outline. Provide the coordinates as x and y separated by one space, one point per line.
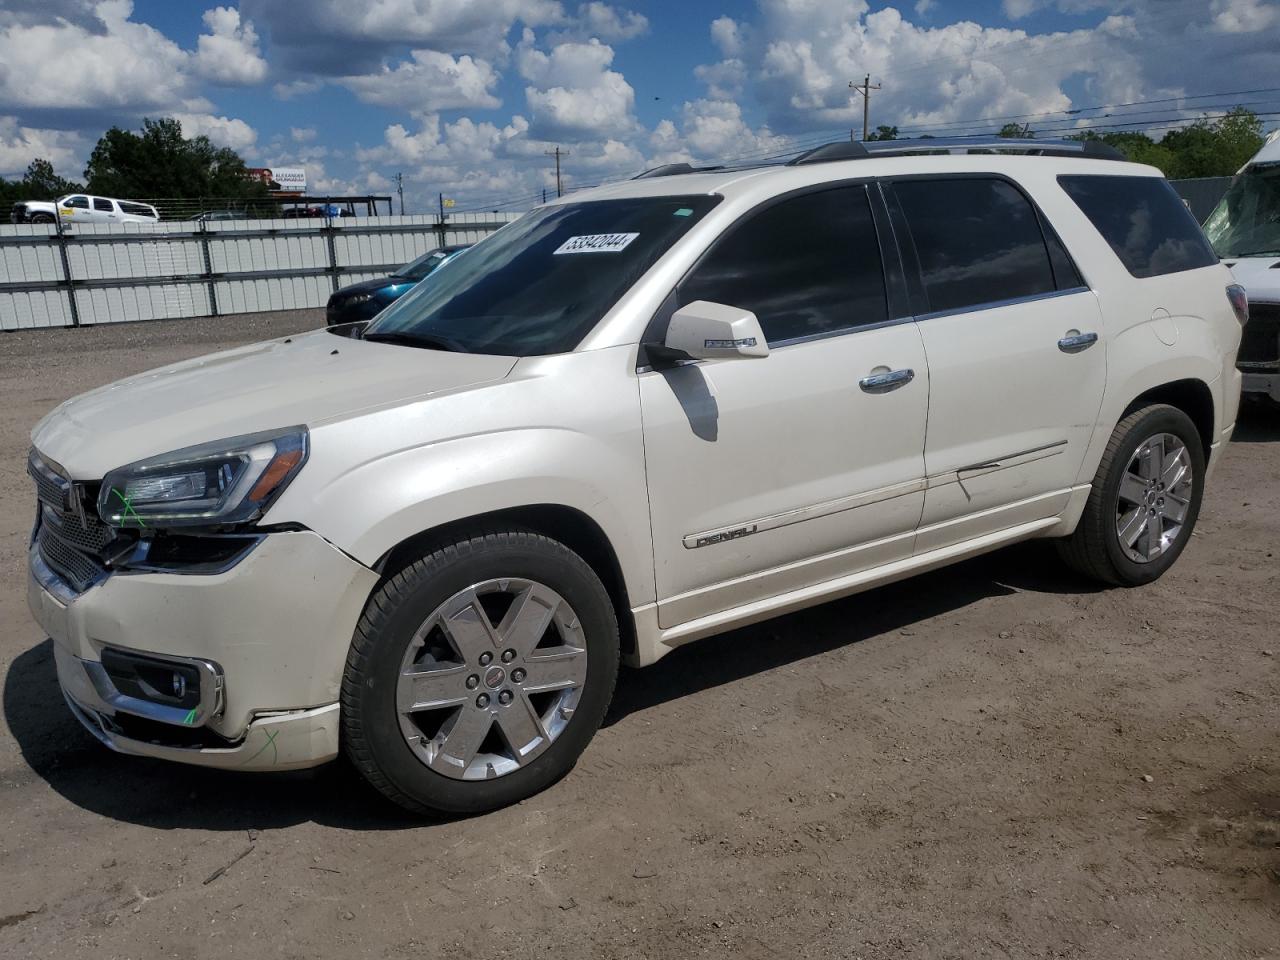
768 476
1016 364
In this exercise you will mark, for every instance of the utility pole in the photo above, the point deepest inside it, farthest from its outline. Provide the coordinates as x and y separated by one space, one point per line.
865 89
441 199
558 153
400 190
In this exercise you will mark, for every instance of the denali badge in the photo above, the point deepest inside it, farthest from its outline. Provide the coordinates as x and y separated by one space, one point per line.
708 539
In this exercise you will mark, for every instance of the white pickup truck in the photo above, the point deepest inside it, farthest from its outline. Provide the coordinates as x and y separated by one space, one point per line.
1245 233
83 208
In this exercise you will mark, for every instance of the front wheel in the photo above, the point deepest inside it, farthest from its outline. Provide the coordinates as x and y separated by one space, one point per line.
478 674
41 218
1144 502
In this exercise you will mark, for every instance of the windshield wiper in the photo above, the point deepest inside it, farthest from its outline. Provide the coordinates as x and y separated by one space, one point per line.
1256 253
424 340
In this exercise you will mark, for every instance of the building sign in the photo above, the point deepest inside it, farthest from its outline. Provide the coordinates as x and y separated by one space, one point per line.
282 179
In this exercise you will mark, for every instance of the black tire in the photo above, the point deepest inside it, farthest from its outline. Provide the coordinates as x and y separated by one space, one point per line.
41 218
1094 549
370 722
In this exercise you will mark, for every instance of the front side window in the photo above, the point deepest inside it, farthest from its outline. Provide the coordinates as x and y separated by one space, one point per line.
540 284
104 205
978 241
1246 223
1144 222
80 203
805 266
424 265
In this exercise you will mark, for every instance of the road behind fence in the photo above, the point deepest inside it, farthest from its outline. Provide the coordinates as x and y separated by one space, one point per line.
53 275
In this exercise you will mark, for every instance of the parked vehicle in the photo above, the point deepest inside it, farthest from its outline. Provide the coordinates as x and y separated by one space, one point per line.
637 416
1245 232
212 216
83 208
363 300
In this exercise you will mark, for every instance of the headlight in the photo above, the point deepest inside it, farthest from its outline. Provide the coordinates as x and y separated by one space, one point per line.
225 482
357 298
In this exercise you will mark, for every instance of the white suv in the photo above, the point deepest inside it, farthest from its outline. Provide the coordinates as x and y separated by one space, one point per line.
83 208
641 415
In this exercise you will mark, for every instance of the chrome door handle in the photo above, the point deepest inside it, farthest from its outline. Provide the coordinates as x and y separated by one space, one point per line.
1075 342
884 382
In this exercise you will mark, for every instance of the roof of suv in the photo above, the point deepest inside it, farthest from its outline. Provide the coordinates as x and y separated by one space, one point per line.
779 178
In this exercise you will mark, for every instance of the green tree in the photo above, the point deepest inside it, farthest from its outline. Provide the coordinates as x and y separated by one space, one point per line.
884 132
1017 131
160 162
40 182
1215 148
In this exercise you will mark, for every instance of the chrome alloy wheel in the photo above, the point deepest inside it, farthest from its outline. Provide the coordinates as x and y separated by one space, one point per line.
491 679
1154 497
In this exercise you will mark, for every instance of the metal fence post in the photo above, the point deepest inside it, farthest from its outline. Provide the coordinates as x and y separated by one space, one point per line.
208 268
66 272
329 230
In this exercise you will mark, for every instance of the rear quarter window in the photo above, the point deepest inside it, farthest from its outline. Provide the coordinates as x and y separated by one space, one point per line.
1144 222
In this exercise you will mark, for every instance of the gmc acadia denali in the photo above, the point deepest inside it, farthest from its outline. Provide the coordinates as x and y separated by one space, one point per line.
637 416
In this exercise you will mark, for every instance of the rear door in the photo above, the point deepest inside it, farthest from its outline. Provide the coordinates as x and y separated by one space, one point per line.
770 476
1016 363
104 210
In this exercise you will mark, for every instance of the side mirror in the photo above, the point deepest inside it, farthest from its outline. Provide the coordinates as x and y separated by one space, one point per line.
711 331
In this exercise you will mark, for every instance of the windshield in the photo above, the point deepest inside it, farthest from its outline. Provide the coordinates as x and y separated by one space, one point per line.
419 268
1246 223
540 284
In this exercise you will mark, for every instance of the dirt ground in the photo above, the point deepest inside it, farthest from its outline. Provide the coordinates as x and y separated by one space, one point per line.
956 766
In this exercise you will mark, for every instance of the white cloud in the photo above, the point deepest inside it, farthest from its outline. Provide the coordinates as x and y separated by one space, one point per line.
228 54
302 134
20 145
925 7
430 81
604 22
726 35
288 89
725 80
572 91
1244 16
122 64
222 131
345 37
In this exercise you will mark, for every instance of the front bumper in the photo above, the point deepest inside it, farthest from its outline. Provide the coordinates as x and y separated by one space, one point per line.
273 631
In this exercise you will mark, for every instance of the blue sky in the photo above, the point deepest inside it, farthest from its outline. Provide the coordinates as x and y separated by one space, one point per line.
465 97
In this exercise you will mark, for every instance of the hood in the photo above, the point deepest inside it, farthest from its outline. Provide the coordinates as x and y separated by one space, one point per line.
307 379
371 286
1260 277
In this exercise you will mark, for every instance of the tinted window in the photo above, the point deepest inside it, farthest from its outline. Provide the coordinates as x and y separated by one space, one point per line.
540 284
978 241
804 266
1147 225
101 204
81 203
142 210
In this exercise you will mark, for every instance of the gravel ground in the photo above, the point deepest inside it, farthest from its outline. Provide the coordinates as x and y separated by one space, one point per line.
994 760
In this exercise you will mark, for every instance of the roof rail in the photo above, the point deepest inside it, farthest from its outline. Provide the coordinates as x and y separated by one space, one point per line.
850 150
672 170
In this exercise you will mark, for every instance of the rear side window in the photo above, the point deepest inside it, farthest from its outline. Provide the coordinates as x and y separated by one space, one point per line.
806 266
105 205
1144 221
978 241
137 209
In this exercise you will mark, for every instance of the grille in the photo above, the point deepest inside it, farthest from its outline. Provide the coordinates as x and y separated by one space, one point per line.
1260 342
50 487
91 535
78 569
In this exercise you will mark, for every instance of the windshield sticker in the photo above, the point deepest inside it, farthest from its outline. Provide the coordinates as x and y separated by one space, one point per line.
683 212
596 243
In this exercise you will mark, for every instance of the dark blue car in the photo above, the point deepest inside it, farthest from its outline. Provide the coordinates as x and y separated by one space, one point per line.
362 301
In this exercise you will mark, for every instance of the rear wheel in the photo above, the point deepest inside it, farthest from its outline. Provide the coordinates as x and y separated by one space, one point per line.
478 674
1144 502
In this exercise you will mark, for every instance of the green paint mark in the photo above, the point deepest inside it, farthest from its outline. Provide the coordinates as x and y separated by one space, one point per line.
271 742
684 212
190 718
128 507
